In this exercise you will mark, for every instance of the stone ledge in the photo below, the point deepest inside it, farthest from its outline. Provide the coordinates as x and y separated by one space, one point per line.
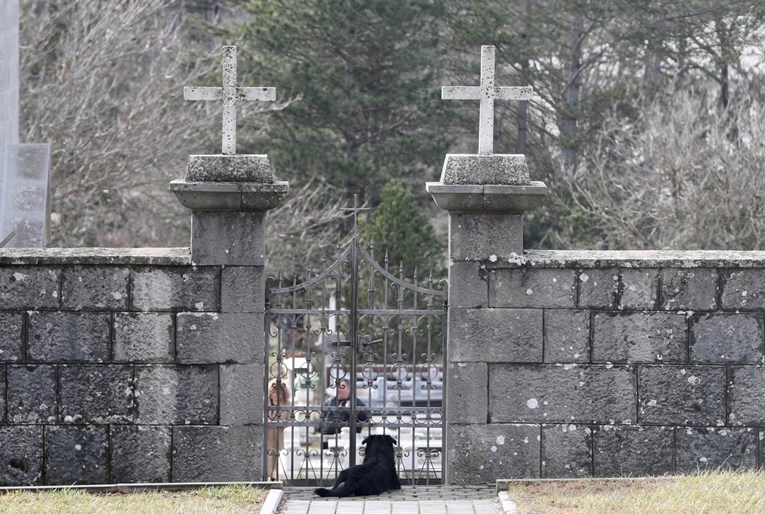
511 199
632 259
116 256
229 196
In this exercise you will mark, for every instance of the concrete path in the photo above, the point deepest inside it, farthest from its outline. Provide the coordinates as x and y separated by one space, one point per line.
410 500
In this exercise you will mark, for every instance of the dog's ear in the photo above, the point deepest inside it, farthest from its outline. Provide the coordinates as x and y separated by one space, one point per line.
389 438
366 439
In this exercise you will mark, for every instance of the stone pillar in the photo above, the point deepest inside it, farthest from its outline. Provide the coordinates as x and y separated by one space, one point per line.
9 76
486 196
229 197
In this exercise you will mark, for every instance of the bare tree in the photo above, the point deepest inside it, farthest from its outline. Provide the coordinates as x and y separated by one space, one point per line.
103 81
306 226
685 175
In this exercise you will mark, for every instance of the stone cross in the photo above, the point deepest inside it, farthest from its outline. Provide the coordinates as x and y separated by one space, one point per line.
230 94
487 92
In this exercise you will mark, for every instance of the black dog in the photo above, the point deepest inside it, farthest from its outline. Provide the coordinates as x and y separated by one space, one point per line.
376 475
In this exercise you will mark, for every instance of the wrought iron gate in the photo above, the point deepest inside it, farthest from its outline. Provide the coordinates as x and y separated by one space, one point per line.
354 324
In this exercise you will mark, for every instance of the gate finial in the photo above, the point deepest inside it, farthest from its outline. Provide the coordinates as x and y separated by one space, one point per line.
356 210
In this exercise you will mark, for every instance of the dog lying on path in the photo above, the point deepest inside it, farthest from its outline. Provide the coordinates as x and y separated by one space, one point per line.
376 475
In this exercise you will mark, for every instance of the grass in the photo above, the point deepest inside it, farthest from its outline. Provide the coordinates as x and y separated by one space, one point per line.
706 492
229 499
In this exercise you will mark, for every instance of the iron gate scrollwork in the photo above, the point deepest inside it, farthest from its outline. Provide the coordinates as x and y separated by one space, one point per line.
354 323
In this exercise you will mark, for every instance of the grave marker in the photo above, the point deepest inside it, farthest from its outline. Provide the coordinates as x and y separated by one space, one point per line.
24 207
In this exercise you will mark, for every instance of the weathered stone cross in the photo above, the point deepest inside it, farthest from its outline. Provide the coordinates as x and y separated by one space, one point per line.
230 94
486 93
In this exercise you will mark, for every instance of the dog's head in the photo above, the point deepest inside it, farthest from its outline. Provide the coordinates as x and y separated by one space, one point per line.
379 446
372 438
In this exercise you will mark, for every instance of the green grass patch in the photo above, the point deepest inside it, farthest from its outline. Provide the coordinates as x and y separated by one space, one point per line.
707 492
229 499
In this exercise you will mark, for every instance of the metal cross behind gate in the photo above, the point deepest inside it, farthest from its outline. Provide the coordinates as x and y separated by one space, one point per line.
353 324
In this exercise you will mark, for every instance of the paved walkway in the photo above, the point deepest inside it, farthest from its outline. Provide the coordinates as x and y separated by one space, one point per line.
409 500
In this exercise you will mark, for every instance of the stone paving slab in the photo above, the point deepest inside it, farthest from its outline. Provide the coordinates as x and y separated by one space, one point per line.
409 500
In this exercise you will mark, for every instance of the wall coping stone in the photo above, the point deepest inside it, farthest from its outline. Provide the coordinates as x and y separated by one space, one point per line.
98 256
631 259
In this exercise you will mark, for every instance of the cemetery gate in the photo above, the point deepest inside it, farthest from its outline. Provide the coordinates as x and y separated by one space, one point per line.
354 349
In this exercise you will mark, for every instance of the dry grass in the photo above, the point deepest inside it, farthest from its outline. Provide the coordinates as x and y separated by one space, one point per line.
708 492
231 499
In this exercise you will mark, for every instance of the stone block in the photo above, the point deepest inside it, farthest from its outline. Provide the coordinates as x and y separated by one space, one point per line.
566 335
485 237
26 287
32 394
96 394
640 289
175 288
465 169
206 338
21 456
169 395
598 288
140 454
633 451
547 393
467 398
69 337
682 395
495 335
76 455
532 288
217 454
2 393
230 168
743 289
639 337
712 449
720 338
566 451
241 394
468 285
233 238
689 289
11 326
746 390
243 289
481 453
95 288
143 337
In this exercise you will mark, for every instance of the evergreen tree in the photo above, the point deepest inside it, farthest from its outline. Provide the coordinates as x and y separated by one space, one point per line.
368 106
400 230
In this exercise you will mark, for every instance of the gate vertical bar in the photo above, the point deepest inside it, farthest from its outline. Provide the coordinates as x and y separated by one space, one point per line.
354 326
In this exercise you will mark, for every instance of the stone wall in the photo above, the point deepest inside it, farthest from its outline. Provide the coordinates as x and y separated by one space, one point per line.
128 366
574 364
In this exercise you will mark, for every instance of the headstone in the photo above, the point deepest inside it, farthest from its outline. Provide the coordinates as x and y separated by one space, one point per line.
24 206
9 75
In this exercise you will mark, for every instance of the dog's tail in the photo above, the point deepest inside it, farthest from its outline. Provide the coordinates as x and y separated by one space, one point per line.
339 492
